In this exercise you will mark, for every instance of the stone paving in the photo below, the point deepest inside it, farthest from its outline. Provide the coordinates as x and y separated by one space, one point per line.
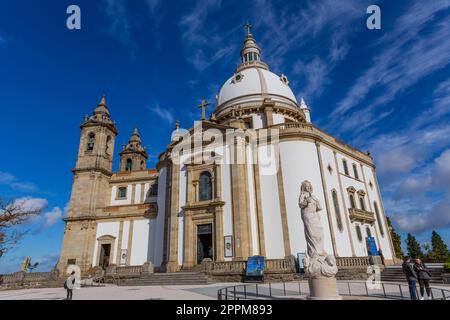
290 290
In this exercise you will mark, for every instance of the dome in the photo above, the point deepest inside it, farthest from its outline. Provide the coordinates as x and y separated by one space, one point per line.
255 84
252 80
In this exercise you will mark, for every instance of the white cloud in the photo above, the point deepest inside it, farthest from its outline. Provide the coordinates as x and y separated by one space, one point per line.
410 55
14 183
52 216
120 23
30 204
164 114
205 42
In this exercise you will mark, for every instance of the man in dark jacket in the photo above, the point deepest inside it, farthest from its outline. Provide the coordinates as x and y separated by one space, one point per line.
411 277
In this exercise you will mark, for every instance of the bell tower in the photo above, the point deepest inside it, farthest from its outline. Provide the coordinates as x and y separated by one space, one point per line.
91 176
133 156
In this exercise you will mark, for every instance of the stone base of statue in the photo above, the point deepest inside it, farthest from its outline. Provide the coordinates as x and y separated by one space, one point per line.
322 270
323 289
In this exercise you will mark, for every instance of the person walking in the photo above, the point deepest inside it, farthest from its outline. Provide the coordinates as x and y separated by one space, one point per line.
69 284
411 277
424 277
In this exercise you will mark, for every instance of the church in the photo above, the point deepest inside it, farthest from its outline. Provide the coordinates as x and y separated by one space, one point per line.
222 202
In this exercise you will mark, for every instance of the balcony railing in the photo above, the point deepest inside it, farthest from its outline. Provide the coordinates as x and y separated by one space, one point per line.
361 215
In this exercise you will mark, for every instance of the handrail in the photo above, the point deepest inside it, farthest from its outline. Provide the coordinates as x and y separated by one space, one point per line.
242 291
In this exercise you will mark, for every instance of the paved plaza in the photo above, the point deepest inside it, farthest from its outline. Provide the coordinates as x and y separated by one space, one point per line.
290 290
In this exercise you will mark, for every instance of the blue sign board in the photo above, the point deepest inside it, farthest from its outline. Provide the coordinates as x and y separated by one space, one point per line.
255 266
371 246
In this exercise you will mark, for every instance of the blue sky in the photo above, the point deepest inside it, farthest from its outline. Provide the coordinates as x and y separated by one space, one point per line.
387 91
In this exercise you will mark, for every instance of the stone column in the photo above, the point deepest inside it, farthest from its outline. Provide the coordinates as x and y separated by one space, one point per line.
189 254
239 199
219 242
172 263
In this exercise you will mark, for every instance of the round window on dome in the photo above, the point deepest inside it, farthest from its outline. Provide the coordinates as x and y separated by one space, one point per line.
284 79
237 77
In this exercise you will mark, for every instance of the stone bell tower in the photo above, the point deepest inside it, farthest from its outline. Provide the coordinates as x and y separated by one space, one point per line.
92 173
133 156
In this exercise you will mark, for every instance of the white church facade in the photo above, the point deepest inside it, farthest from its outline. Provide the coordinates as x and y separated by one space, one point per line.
222 201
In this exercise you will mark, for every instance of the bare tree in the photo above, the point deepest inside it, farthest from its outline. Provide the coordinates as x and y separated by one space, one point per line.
14 213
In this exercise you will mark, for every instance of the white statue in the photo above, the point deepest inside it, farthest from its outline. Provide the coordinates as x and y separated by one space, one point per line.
317 263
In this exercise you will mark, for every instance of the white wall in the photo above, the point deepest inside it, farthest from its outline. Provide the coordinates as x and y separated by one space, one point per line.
104 229
252 202
373 196
140 242
137 193
278 118
342 237
300 162
258 121
273 231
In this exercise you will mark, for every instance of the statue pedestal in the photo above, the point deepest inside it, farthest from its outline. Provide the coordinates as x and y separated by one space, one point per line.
323 289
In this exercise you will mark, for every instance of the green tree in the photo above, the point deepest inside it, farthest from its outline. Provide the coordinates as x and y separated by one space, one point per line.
396 240
439 250
414 250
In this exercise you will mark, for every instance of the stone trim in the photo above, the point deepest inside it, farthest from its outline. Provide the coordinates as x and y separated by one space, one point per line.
327 205
119 244
130 242
282 202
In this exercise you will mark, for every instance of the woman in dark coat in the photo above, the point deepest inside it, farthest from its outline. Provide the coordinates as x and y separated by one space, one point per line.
424 277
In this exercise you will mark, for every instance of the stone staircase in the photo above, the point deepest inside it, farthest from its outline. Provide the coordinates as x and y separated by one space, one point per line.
395 274
160 279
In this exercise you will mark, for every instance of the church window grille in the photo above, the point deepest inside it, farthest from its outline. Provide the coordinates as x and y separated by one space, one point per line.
344 163
337 210
129 165
355 172
91 142
122 192
205 186
358 233
377 213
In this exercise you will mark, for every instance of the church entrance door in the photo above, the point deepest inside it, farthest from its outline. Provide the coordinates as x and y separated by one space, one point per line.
104 255
204 242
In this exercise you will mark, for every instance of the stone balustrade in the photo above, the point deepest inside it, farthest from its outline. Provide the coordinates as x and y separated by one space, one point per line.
352 262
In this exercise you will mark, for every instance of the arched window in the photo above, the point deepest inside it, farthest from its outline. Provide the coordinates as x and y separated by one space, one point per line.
361 202
352 201
336 209
377 213
344 163
358 233
205 186
369 234
355 171
91 141
129 165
